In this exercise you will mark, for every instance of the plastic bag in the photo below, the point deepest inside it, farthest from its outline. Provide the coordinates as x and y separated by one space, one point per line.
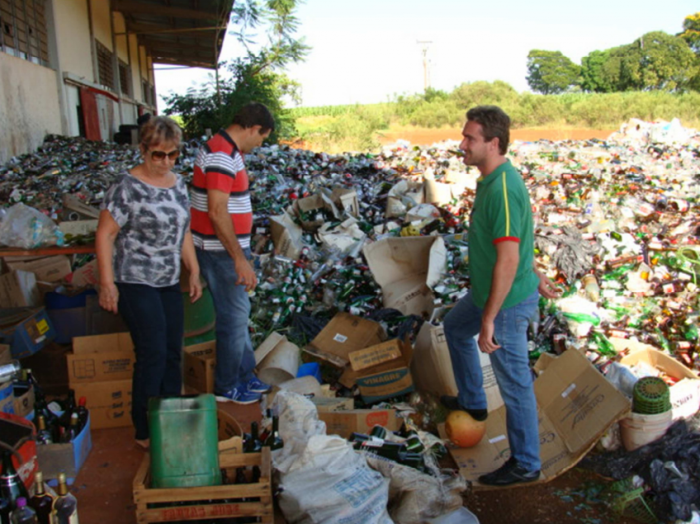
415 497
322 479
25 227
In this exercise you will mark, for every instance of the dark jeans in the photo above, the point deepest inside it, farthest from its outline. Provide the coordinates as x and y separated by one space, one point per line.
155 317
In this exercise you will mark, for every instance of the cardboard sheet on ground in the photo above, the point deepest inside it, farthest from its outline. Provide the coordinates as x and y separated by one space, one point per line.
406 269
576 405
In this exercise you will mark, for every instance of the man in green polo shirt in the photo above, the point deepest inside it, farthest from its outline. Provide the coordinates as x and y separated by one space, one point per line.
503 299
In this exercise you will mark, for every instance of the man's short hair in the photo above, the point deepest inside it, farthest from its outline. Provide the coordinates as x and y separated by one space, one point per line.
255 114
495 123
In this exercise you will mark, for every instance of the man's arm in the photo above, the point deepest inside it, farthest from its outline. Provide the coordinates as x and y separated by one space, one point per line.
507 258
546 287
223 227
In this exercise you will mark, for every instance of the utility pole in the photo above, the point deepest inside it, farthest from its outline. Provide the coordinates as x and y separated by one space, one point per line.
426 72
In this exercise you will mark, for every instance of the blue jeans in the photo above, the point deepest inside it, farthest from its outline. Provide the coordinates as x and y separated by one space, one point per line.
235 360
510 365
155 317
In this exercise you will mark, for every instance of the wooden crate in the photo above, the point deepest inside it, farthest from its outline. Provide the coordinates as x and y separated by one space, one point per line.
208 502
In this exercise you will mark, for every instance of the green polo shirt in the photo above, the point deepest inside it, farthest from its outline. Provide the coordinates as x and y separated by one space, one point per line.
501 212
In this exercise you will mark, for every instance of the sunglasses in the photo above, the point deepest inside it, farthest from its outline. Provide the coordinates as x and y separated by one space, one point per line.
160 155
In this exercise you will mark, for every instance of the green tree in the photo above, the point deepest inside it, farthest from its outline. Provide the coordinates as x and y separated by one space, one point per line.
255 77
658 61
550 72
691 34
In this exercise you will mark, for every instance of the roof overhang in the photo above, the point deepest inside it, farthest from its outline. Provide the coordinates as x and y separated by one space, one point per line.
178 32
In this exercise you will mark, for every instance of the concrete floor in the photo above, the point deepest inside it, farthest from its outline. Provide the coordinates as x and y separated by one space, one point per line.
103 486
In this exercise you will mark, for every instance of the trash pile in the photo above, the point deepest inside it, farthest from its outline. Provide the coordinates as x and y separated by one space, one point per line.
382 238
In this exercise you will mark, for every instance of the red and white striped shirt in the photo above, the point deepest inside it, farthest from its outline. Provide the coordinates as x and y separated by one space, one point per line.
219 165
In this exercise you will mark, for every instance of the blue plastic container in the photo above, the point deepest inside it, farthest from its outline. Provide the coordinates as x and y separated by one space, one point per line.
310 368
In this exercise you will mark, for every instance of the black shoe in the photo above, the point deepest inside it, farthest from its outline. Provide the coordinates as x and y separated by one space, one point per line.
509 473
453 404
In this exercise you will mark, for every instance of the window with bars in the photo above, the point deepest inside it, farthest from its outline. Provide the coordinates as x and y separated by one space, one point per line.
23 30
124 78
105 65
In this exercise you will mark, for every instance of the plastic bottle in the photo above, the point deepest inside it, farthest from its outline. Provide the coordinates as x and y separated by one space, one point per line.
591 288
23 514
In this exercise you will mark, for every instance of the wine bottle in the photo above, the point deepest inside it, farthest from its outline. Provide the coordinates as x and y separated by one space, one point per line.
42 502
82 411
274 441
253 444
68 409
11 485
73 430
43 435
66 504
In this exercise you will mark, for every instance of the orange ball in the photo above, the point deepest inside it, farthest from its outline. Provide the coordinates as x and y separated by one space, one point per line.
463 430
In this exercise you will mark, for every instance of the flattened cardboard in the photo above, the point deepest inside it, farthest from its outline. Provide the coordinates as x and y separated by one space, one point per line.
685 394
576 405
344 423
109 402
47 269
18 289
406 268
344 237
344 334
101 358
374 355
199 366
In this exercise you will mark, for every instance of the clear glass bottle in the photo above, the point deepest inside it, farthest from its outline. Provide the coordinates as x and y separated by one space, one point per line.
42 502
66 504
73 429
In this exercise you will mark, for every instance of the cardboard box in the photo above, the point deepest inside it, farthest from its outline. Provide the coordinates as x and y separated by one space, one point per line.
286 236
383 371
66 457
199 366
406 269
87 275
344 334
109 402
48 269
24 403
18 289
576 405
344 423
344 237
685 394
330 405
346 199
49 366
7 398
78 227
309 211
14 429
99 358
432 365
25 330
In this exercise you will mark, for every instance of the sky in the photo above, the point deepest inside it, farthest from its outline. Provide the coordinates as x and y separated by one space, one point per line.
367 51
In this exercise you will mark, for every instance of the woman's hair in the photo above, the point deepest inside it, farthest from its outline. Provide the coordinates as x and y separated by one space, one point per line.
160 129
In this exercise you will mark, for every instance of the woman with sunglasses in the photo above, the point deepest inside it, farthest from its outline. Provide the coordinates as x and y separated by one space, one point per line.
142 235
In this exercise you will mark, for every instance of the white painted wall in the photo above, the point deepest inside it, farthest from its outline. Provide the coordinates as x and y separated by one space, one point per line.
29 108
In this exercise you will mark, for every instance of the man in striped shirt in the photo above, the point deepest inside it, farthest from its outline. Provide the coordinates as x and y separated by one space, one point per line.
503 299
222 221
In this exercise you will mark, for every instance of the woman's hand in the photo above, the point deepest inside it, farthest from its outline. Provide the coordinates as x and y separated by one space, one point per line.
109 297
195 287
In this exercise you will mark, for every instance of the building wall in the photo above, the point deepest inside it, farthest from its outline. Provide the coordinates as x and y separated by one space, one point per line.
73 38
29 108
